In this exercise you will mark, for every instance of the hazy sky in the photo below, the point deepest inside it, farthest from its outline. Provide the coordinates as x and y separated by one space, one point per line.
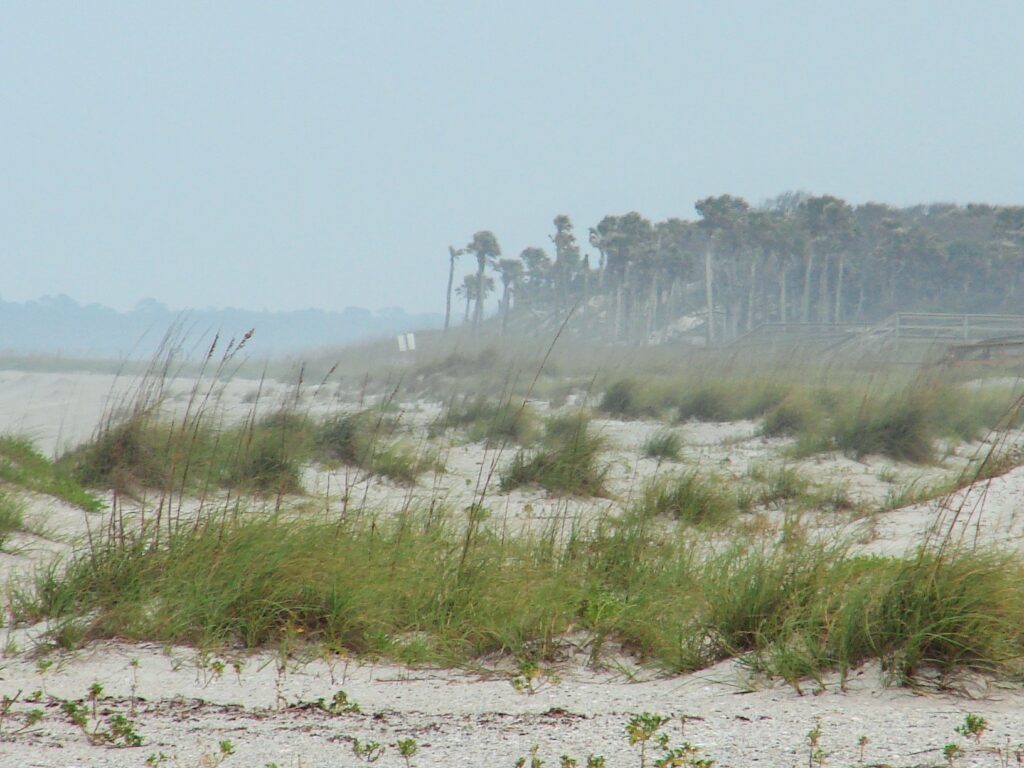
291 155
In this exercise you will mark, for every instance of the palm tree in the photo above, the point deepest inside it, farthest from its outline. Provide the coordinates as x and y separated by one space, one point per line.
567 256
722 219
538 270
484 246
469 291
453 254
511 271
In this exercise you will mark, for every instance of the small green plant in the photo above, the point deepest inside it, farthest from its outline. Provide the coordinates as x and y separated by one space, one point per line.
340 704
6 704
641 730
862 744
225 749
533 761
157 759
816 756
530 676
95 693
370 751
407 750
951 752
973 726
118 731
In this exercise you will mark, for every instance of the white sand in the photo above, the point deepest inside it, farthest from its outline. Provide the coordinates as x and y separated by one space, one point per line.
184 711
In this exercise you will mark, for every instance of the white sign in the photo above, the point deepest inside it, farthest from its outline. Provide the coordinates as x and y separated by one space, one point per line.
406 342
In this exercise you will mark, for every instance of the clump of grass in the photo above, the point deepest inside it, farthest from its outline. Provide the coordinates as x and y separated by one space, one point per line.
915 492
273 450
138 452
629 399
706 403
729 400
366 440
263 455
493 422
567 461
691 498
899 426
792 416
24 466
12 517
949 612
415 587
780 484
663 444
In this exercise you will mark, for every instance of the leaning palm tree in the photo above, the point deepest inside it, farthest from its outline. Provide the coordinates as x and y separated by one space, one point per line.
484 246
453 254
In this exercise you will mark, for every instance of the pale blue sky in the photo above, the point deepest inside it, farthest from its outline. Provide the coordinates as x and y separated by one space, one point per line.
290 155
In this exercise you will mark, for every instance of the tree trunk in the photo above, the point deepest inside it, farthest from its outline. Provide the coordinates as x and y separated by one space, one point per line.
652 317
504 308
586 292
478 312
709 294
805 305
750 295
618 313
452 255
823 308
839 288
782 292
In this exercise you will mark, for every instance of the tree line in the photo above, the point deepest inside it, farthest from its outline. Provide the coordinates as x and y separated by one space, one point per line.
796 258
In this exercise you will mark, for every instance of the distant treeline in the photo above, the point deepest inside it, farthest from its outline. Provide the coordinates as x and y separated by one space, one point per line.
60 325
797 258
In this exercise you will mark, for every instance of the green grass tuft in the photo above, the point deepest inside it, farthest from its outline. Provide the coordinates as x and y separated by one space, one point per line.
12 517
414 587
494 423
22 465
366 440
568 460
691 498
663 444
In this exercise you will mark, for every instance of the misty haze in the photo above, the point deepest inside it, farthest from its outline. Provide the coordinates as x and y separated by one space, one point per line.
546 385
